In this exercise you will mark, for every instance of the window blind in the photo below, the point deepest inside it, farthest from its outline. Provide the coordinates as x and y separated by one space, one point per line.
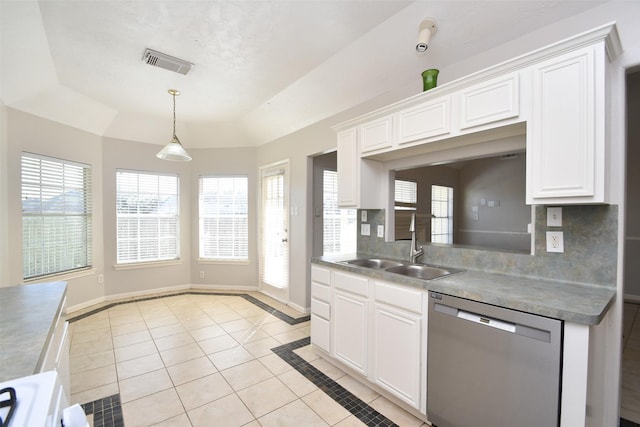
442 214
224 218
147 217
56 216
406 194
339 234
275 250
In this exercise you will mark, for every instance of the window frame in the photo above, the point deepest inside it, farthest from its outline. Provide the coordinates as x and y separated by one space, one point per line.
344 217
138 262
449 200
37 183
222 259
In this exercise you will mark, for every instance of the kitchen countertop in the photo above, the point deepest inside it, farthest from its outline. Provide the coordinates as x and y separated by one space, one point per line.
578 303
28 315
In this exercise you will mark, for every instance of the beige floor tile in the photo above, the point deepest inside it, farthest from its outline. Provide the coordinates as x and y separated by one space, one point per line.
350 421
128 328
395 413
93 322
246 374
294 335
144 385
360 390
295 414
203 390
328 369
82 349
227 358
277 328
225 316
131 338
249 335
275 364
152 409
210 331
181 354
228 411
134 351
326 407
101 334
200 322
266 396
191 370
167 330
214 345
236 325
92 361
94 393
139 366
261 347
93 378
124 318
253 423
181 420
307 352
173 341
297 383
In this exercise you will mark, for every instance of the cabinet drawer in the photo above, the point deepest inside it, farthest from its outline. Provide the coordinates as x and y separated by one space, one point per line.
321 309
376 135
320 275
351 283
319 291
491 101
398 296
424 121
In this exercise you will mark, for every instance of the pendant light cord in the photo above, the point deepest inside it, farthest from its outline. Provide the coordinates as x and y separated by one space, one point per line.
174 114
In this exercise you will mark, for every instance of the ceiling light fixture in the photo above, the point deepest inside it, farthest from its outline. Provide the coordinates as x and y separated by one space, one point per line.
174 150
426 29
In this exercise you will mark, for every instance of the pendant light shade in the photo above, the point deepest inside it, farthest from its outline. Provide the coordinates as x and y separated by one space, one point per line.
174 150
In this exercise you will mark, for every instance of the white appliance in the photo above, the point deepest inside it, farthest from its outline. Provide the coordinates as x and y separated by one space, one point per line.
39 401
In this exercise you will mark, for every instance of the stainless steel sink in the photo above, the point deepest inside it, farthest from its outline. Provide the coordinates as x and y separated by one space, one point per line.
418 271
377 263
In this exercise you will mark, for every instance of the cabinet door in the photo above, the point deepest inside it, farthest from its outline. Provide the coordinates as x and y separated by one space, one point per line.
397 349
349 317
320 332
376 135
424 121
348 170
565 143
491 101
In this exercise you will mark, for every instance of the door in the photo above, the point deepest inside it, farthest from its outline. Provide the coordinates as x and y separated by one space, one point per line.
274 231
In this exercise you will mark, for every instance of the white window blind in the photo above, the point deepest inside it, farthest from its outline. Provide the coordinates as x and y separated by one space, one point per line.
147 217
224 218
339 234
406 194
441 214
56 216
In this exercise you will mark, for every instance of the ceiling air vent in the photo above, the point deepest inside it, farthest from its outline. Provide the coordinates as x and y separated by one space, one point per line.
168 62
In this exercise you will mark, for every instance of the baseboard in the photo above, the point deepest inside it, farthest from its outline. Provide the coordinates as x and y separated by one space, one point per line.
299 308
225 288
632 298
86 304
146 293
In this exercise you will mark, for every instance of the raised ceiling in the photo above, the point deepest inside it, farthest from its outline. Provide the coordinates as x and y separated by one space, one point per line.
263 69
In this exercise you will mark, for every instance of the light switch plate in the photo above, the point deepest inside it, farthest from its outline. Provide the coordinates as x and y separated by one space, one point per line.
381 231
363 216
554 217
365 229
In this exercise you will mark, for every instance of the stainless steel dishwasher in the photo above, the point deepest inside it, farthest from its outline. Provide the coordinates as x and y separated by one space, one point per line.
491 366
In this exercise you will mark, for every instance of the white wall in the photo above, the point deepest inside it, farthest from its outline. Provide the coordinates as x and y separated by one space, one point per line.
4 187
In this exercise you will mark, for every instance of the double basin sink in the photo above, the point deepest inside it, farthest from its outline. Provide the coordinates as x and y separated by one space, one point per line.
418 271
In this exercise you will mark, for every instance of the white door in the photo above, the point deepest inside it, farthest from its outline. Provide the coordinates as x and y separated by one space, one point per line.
274 231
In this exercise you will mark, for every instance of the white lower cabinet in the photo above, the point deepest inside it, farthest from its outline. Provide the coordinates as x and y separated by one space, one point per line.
375 328
396 352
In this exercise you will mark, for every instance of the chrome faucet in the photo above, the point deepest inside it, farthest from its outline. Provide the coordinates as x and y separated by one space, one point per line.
415 251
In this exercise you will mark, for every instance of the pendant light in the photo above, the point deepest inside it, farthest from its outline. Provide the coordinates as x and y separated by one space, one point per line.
174 150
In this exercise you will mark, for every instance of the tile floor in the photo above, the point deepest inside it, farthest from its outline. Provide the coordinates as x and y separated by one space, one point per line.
630 399
198 359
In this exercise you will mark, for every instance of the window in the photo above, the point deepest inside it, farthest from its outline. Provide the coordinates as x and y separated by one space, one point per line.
56 216
224 218
406 194
339 230
147 216
441 214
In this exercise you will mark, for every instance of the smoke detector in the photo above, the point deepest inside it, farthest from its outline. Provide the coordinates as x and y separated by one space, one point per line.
168 62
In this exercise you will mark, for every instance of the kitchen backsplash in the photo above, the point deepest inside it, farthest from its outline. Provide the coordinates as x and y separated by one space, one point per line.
590 248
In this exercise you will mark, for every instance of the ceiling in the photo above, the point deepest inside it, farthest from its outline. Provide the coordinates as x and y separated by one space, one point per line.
263 69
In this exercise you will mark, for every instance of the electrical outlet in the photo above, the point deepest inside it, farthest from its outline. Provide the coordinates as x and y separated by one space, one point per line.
554 217
555 241
202 274
100 278
363 216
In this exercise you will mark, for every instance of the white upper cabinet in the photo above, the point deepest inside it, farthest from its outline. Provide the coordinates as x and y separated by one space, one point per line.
358 178
565 137
491 101
425 121
377 134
